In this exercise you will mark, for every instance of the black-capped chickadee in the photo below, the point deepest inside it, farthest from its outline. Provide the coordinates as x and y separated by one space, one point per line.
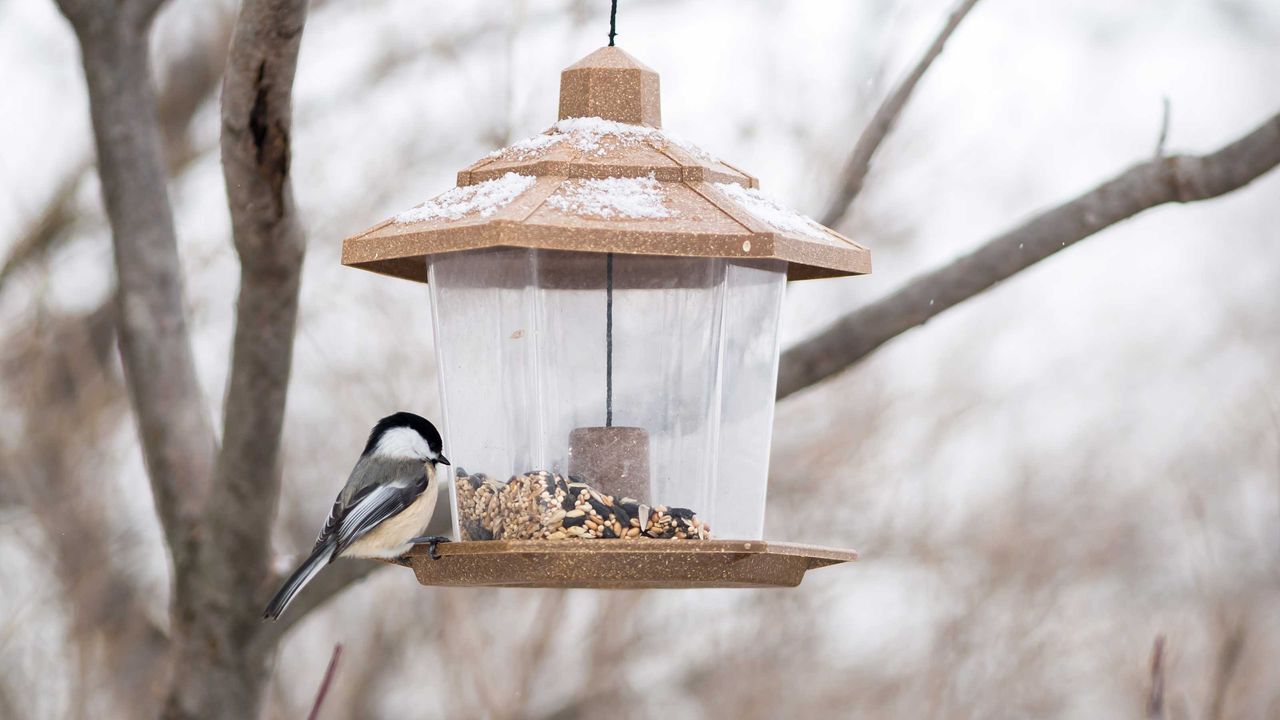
386 503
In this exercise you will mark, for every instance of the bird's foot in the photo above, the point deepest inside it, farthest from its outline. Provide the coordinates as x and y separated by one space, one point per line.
431 541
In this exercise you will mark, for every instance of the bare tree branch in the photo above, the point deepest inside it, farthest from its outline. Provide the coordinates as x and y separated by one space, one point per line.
547 623
95 16
1171 179
329 584
110 612
1164 127
329 674
256 120
174 430
219 674
882 122
47 227
1155 696
58 381
1225 669
190 78
173 424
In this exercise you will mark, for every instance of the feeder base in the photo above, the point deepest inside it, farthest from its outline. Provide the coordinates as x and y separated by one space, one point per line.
622 564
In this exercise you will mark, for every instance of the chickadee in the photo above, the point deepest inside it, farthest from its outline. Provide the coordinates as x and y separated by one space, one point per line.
386 503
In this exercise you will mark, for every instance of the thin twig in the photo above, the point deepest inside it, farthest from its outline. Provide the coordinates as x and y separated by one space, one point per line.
547 620
332 582
1172 179
1155 696
463 638
882 122
191 77
1164 127
325 682
1228 660
48 228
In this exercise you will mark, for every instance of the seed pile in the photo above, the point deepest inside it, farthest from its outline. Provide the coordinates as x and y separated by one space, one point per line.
541 505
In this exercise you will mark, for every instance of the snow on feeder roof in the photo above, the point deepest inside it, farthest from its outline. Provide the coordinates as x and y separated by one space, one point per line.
605 178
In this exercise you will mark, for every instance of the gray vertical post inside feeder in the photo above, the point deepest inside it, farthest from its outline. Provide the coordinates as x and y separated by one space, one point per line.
615 460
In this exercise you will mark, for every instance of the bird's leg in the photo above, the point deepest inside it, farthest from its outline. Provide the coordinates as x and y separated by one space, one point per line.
431 541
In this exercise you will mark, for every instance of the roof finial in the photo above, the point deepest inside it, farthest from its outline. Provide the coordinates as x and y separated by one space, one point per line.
611 84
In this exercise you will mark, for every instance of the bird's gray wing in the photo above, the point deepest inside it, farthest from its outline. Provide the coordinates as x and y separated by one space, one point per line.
362 481
339 511
378 489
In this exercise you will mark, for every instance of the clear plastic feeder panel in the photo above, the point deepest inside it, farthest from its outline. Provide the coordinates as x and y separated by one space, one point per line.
522 344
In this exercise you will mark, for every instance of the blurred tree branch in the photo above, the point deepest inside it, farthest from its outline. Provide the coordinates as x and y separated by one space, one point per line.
547 622
1229 652
40 236
1155 694
329 584
325 682
1178 178
190 79
172 419
59 380
215 525
220 672
65 385
173 425
858 165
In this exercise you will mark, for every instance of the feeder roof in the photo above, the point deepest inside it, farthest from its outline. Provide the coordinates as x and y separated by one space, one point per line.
605 178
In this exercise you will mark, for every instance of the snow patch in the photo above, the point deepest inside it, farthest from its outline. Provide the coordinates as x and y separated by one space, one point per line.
586 134
527 148
483 199
698 153
641 197
772 213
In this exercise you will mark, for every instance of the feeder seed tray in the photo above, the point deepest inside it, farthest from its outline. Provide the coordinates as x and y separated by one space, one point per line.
622 564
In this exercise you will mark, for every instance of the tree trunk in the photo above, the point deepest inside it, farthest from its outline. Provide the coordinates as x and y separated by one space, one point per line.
217 526
221 672
173 422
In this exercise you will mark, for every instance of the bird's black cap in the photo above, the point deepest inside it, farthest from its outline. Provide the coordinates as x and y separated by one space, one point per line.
409 420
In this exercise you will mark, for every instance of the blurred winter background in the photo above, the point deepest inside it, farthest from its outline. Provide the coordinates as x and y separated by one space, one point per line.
1042 481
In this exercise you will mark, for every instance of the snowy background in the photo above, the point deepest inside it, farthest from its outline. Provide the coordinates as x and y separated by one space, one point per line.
1041 481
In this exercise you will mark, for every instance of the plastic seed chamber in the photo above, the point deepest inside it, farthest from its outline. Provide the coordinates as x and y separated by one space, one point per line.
606 302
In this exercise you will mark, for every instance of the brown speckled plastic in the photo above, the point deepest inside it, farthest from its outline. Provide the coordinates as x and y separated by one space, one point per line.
622 564
609 83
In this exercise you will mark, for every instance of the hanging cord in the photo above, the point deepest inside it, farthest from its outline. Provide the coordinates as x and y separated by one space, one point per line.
608 343
608 320
613 22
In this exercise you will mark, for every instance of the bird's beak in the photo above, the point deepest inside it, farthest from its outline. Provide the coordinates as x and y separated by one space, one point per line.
443 460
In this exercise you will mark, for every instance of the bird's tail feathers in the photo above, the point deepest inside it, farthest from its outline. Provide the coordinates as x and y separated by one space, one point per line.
298 580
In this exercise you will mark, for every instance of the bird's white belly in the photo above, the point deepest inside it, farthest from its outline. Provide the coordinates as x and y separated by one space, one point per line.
390 539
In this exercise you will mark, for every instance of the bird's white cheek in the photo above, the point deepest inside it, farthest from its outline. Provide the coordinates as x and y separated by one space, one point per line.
402 443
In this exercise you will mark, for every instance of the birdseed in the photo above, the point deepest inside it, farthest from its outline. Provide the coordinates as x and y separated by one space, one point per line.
541 505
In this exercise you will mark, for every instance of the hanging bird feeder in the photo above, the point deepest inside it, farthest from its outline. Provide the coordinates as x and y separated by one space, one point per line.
606 302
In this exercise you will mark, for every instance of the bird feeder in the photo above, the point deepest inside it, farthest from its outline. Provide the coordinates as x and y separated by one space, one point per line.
606 302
